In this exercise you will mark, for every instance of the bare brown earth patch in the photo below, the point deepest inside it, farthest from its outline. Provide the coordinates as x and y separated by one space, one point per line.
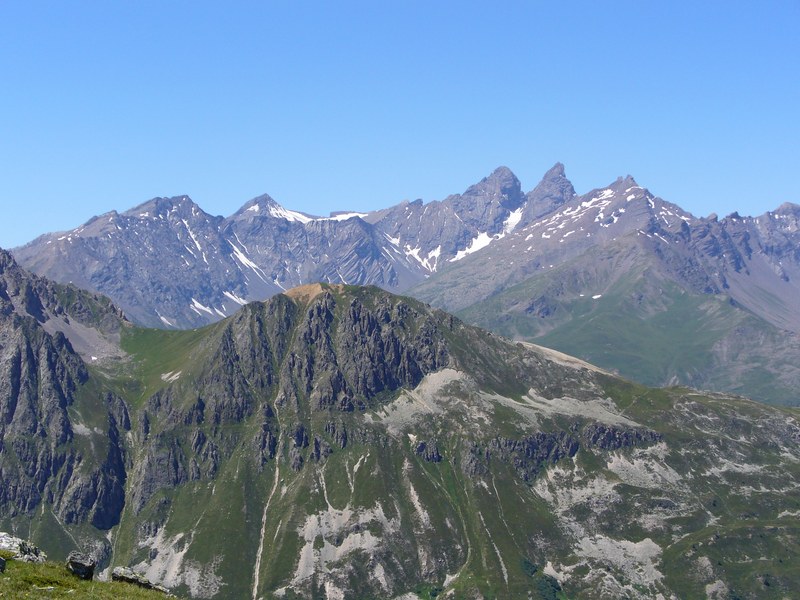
306 293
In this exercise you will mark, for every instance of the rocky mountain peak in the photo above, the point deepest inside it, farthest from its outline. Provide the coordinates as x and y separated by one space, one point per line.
6 260
485 206
555 172
788 210
629 181
788 207
501 186
306 293
265 206
257 205
623 184
161 207
552 191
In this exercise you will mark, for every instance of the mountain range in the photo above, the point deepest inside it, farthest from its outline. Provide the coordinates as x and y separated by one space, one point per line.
167 263
616 276
342 442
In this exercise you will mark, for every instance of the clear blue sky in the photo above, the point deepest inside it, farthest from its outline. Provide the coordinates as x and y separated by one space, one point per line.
358 105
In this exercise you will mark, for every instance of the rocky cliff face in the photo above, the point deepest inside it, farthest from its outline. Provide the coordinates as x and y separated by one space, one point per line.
60 436
338 441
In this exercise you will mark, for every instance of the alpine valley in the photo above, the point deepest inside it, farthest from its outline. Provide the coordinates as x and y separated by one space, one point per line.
339 441
617 276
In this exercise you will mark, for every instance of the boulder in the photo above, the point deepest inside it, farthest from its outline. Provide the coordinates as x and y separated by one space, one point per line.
81 565
22 549
126 575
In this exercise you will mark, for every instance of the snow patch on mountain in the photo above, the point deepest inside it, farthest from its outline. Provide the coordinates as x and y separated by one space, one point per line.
242 258
342 216
513 220
165 320
235 298
478 242
197 307
194 239
277 211
606 193
430 261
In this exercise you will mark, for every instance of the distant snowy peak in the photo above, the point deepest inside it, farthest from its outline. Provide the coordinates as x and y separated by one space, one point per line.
155 215
265 206
179 207
448 230
343 216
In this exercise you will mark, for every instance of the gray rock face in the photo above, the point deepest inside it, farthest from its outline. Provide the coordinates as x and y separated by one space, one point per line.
23 550
340 359
531 454
552 191
81 565
41 380
127 575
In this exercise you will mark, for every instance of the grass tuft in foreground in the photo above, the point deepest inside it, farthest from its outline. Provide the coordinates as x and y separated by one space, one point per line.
23 580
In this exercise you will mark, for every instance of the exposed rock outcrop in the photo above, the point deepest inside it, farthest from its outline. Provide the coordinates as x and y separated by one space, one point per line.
81 565
23 550
127 575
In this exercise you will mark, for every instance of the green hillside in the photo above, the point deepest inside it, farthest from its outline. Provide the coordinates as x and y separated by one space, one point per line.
342 442
623 314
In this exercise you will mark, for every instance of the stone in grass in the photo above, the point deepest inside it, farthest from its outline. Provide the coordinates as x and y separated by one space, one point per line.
126 575
81 565
22 549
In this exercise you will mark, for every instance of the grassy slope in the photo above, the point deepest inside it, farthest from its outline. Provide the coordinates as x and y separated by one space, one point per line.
746 531
157 352
52 580
655 333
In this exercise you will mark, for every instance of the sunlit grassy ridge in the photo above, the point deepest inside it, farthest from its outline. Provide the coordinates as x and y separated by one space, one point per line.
23 580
